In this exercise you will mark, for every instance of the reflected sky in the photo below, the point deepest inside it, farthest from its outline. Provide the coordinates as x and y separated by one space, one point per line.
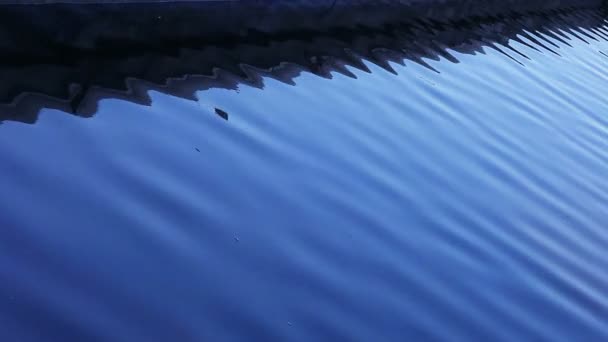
459 195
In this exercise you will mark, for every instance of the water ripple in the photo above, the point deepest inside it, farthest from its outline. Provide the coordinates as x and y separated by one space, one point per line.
422 181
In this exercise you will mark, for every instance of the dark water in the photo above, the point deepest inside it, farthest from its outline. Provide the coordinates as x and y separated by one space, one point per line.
462 196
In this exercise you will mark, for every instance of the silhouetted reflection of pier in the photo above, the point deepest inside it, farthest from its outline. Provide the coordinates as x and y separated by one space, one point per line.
74 77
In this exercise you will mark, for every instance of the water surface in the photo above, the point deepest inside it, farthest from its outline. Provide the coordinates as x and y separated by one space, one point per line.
455 192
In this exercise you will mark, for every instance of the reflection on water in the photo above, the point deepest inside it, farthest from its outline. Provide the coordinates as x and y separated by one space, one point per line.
74 80
437 182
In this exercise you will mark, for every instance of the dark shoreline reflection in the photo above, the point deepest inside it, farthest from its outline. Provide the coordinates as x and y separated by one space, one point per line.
74 80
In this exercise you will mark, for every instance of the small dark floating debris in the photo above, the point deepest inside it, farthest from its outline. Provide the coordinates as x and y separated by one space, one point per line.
221 113
197 150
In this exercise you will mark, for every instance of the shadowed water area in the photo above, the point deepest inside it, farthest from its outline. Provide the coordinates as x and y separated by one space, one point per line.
420 180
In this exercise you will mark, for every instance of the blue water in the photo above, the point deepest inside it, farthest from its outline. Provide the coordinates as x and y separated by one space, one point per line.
461 198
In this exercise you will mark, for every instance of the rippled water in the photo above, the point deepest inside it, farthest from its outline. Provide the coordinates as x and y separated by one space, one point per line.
455 192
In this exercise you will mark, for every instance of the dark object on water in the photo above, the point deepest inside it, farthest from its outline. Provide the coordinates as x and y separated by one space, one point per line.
221 113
